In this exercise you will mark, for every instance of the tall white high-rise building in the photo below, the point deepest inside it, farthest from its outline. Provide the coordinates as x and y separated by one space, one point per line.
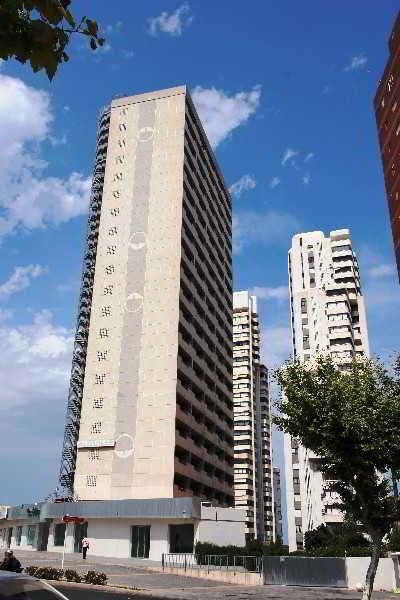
252 427
328 317
150 412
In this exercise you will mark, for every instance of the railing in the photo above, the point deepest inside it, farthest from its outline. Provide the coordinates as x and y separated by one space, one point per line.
213 562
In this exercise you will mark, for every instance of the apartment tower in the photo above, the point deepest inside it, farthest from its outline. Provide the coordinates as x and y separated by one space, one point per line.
328 317
277 503
252 434
150 411
387 112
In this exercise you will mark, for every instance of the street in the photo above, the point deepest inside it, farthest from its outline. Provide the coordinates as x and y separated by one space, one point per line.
223 592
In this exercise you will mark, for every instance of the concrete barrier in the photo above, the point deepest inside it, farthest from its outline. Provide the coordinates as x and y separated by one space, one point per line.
227 576
386 576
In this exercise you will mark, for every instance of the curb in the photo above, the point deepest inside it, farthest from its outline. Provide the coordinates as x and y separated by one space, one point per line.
137 592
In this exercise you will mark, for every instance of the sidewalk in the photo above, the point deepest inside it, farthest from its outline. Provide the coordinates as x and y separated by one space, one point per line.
138 574
120 571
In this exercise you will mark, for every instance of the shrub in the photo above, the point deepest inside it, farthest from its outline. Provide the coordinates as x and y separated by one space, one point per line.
49 573
393 544
95 577
71 575
31 571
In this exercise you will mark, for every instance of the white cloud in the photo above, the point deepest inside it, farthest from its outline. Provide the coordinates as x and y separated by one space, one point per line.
127 54
220 113
171 23
266 228
309 156
58 141
38 362
275 181
114 28
245 183
275 346
306 179
356 62
5 314
28 198
279 293
382 270
289 154
20 280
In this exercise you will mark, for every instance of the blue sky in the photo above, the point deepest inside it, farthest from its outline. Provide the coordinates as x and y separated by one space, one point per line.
285 90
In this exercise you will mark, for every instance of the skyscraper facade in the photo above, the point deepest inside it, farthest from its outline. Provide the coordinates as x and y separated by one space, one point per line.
253 475
327 317
277 502
150 411
387 112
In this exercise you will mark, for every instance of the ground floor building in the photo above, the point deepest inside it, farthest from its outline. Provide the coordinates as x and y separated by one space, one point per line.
122 528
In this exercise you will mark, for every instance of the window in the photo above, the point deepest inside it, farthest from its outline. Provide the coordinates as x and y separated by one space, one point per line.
99 379
103 332
101 355
114 212
111 249
96 427
113 231
59 534
106 311
30 537
98 403
18 535
94 454
117 176
116 193
108 290
110 269
91 480
120 159
122 127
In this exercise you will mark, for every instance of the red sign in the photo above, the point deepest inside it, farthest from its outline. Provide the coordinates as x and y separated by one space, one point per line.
70 519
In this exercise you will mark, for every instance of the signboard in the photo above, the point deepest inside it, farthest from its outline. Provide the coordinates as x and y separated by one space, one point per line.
71 519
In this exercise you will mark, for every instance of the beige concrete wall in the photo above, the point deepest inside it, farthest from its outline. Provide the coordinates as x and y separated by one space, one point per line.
139 239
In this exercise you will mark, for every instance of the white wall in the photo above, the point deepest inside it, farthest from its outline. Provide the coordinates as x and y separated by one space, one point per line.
357 569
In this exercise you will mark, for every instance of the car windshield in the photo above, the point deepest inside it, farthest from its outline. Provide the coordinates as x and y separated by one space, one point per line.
28 589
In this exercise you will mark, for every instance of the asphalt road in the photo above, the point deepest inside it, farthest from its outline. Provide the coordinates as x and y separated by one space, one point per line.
82 594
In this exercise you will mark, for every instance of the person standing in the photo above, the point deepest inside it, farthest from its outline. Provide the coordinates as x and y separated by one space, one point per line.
85 547
10 563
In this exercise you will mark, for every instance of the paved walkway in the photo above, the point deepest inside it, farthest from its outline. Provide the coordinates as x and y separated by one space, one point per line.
139 575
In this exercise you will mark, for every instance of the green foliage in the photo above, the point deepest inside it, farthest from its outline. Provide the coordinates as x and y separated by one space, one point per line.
31 570
49 573
342 537
39 31
95 577
393 543
71 575
252 548
351 420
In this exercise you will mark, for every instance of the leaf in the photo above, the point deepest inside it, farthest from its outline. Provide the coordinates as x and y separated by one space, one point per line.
92 27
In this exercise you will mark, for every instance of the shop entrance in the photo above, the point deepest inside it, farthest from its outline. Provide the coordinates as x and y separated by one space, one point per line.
140 541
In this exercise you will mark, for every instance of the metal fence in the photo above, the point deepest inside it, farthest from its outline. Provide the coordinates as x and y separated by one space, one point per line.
214 562
275 570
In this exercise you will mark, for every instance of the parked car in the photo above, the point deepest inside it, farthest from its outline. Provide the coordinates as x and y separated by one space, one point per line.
16 586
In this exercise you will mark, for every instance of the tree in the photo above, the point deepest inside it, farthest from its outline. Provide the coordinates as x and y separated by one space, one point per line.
343 538
351 420
39 31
